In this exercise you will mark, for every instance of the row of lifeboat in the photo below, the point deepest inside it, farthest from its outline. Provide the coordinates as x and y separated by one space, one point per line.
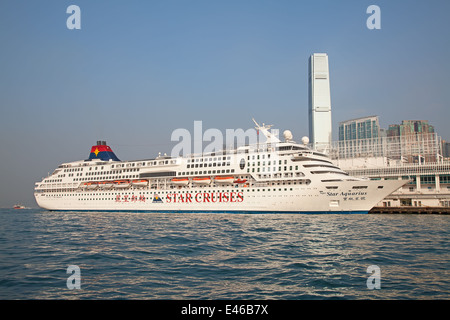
119 184
207 180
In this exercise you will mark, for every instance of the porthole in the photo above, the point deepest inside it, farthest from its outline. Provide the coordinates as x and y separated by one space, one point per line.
242 164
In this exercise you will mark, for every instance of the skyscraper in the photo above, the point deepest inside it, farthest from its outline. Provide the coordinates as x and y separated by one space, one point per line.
361 128
319 102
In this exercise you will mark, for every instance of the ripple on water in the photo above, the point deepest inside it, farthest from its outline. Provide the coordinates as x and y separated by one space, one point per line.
223 256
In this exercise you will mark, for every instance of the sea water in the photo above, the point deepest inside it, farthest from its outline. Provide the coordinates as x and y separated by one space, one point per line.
222 256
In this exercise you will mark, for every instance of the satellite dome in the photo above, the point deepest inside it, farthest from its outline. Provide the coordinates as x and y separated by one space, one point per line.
305 140
287 135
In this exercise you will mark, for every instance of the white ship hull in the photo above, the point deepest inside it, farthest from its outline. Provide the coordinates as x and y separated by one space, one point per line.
295 199
280 177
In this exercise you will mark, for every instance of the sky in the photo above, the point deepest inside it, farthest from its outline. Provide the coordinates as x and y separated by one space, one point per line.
138 70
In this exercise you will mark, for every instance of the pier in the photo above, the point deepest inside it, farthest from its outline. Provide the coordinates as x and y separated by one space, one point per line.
410 210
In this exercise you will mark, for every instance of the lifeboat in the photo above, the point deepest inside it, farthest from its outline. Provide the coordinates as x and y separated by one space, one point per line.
224 180
140 183
202 180
121 184
105 184
180 181
240 181
91 185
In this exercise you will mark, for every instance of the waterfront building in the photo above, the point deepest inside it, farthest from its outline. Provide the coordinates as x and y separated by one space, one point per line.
408 127
409 151
415 157
358 137
319 102
445 149
417 140
361 128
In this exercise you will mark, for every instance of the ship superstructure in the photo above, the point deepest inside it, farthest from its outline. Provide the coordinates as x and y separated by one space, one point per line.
275 176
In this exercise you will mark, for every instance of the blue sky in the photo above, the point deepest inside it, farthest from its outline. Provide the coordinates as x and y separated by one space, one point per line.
137 70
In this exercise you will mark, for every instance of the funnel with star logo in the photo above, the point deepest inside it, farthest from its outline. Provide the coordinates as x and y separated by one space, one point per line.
102 152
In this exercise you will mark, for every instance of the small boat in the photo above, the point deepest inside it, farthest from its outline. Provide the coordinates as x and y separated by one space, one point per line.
121 184
105 184
19 206
91 185
202 180
139 183
224 180
240 181
180 181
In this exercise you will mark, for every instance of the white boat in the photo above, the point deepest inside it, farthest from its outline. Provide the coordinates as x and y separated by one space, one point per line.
139 183
122 184
105 184
276 177
202 180
180 181
91 185
224 180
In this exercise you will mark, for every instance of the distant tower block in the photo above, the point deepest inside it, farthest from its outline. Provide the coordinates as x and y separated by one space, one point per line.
319 102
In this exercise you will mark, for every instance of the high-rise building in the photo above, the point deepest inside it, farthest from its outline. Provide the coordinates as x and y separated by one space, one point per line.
416 138
359 137
445 149
319 102
361 128
410 127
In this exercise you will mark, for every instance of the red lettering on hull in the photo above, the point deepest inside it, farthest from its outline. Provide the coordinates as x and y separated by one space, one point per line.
200 197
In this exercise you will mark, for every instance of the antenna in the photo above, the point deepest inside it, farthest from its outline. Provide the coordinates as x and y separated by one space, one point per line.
265 131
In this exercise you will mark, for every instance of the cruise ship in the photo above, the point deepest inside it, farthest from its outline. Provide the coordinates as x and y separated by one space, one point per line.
272 177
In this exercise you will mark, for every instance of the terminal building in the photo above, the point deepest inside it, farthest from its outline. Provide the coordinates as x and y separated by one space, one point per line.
410 151
416 158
